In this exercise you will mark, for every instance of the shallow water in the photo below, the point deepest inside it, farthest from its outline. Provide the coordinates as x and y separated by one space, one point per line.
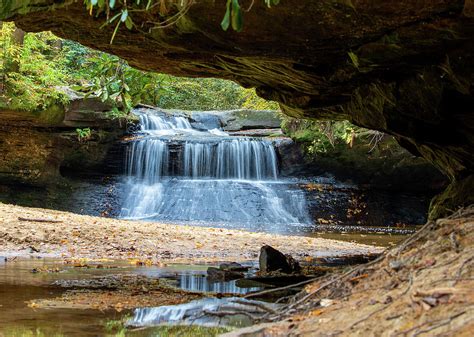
374 239
17 319
18 285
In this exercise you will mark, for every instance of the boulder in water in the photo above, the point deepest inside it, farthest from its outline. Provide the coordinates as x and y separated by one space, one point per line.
273 260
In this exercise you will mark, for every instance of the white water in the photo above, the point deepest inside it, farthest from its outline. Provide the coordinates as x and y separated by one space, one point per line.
200 283
196 313
178 174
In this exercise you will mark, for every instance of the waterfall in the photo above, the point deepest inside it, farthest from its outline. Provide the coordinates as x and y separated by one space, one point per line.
199 312
179 174
149 122
193 282
148 160
239 159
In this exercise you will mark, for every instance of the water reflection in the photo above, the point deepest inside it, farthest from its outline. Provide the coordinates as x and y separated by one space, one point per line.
200 283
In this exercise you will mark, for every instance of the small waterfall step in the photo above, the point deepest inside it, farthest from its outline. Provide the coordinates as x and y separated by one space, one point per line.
204 312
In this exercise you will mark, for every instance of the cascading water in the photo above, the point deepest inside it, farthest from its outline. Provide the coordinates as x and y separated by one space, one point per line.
179 174
234 159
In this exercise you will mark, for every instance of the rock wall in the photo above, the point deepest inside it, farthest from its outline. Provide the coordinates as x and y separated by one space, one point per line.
386 166
39 148
403 67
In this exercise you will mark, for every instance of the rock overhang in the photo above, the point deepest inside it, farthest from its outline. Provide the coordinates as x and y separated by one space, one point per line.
402 67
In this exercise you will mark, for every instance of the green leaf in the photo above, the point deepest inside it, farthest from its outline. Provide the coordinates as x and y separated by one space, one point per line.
237 21
111 3
124 15
115 32
148 4
226 21
93 2
129 23
354 59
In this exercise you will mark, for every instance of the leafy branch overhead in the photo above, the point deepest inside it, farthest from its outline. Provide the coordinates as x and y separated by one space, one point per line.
119 12
35 76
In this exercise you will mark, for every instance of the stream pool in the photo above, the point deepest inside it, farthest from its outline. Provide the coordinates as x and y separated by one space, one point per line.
30 289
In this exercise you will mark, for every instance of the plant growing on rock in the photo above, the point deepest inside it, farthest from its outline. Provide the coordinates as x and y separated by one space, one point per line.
83 135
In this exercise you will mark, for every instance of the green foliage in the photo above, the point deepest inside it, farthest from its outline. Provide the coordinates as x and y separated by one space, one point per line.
47 64
21 331
33 84
209 94
118 328
120 12
354 59
233 16
320 136
109 76
83 134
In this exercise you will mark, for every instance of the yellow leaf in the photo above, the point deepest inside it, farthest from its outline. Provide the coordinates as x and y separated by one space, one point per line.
317 312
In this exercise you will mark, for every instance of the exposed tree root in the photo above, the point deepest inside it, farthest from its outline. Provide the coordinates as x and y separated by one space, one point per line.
422 287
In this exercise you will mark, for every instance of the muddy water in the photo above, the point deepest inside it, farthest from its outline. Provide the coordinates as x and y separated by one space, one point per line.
375 239
24 282
18 285
17 319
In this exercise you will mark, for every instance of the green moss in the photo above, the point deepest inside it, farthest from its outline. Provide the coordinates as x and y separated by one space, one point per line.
52 116
118 328
174 331
458 194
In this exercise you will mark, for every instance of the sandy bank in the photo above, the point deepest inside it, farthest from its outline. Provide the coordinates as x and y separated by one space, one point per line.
72 235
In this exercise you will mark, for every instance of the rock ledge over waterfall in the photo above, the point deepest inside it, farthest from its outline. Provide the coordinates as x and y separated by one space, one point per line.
402 67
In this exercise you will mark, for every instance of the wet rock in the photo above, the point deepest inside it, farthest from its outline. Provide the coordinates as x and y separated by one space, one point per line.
233 266
205 121
258 133
273 260
348 260
216 274
250 283
275 279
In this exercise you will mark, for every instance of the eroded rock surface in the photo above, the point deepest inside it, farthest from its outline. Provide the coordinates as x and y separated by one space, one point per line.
36 146
403 67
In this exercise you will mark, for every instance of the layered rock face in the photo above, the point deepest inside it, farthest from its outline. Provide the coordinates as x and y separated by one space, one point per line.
403 67
37 148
